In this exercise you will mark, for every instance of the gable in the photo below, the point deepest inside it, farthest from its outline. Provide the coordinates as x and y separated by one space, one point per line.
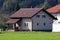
43 12
40 15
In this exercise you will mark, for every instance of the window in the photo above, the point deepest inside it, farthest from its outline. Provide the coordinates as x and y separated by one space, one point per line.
43 16
37 23
25 24
37 15
44 24
58 22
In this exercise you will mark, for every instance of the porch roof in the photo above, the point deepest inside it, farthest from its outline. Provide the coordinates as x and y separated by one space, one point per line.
12 21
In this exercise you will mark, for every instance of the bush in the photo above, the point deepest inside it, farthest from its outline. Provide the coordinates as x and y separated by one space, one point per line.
3 27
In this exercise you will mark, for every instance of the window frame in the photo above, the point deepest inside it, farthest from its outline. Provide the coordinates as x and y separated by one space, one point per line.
44 16
37 24
25 24
38 16
44 24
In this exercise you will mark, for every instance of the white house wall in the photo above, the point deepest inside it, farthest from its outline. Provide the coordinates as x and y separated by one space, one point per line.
26 20
58 17
56 23
56 27
47 20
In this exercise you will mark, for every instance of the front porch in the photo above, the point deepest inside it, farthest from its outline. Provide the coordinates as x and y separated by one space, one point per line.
19 25
13 25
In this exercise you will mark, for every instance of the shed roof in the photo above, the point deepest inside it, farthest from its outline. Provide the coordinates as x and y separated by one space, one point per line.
12 21
54 9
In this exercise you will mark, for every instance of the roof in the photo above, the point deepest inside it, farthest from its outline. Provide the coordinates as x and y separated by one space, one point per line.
12 21
54 9
29 12
26 12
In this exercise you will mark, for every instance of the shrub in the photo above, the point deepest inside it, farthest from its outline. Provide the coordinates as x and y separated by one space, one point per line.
3 27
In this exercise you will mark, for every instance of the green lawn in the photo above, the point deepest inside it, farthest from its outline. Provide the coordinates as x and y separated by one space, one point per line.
29 36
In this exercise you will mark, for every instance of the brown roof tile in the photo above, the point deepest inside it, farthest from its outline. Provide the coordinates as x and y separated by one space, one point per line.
26 12
12 21
29 12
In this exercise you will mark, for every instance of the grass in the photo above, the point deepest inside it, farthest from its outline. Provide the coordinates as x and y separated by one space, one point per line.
29 36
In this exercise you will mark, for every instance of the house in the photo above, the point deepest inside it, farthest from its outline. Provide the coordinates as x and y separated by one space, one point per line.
55 11
33 19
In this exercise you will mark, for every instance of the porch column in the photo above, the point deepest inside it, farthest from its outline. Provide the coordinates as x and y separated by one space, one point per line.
14 27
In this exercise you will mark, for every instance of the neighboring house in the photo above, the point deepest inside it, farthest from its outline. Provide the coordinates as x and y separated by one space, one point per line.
55 12
33 19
